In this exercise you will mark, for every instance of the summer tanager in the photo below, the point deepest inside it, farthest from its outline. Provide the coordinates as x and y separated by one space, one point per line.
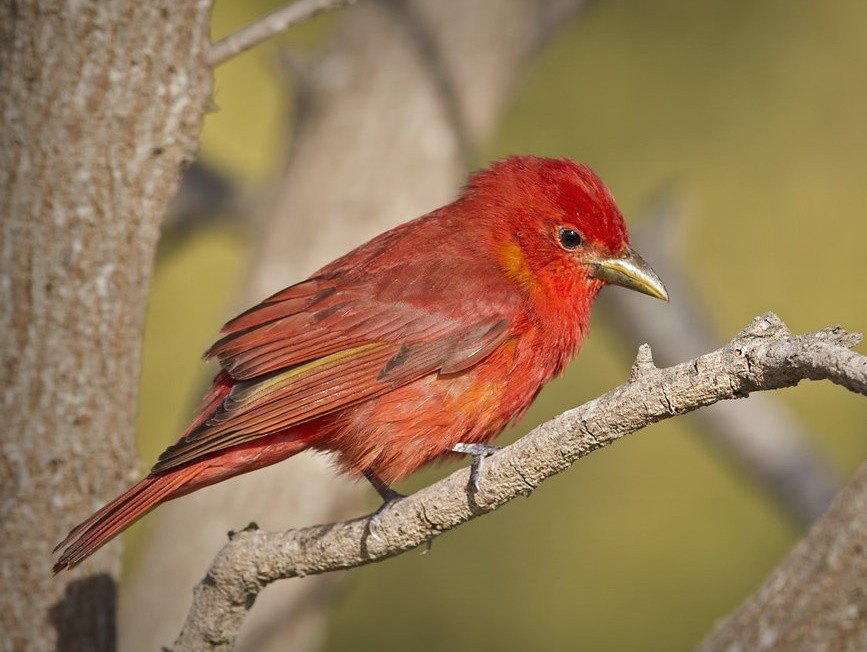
428 339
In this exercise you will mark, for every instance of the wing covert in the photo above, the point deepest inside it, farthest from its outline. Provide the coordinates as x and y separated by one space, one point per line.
316 348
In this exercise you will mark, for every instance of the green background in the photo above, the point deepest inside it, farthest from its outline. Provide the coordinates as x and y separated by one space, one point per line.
757 113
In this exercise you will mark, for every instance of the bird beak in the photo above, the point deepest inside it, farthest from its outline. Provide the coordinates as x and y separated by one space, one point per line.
631 271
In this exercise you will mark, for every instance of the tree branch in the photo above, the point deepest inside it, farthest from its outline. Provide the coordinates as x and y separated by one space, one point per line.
766 355
268 26
763 438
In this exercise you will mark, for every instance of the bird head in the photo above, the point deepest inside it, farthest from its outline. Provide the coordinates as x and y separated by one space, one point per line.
556 227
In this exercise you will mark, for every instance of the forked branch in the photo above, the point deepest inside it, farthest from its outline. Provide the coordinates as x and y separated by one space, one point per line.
765 355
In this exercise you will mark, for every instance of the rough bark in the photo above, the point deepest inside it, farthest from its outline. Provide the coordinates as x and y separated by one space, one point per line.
387 117
766 355
100 105
816 600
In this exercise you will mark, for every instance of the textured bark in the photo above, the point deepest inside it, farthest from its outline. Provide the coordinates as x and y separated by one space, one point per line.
100 104
816 600
388 116
763 356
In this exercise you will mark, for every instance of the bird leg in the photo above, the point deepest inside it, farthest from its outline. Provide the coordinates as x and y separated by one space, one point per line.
387 494
479 453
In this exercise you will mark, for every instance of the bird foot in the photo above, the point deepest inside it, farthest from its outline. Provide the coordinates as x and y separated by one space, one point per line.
479 453
388 495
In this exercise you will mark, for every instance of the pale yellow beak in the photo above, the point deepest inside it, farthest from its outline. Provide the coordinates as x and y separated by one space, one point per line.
631 271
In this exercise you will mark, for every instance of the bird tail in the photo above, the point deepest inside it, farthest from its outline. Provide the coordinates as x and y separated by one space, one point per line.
123 511
157 488
174 482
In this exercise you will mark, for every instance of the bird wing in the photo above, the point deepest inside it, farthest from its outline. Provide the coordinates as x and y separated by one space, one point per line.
323 345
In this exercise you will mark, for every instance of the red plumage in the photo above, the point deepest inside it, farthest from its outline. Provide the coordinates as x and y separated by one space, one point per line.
435 333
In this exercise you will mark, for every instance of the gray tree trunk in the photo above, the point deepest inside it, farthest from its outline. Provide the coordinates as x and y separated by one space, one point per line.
100 105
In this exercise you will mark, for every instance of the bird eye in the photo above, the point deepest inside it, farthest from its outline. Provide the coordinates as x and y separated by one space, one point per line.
569 238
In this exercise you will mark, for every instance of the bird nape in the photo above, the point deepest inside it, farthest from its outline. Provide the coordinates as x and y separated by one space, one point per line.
428 339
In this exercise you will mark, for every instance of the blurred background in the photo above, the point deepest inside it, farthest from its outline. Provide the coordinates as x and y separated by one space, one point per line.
749 120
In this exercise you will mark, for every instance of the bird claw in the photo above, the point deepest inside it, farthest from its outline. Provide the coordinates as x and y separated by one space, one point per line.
479 452
373 522
388 495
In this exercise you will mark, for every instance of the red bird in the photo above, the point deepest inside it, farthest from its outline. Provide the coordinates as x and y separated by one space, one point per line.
428 339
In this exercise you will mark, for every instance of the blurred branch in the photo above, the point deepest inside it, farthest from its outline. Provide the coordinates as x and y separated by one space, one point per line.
766 355
268 26
424 39
204 192
762 436
205 196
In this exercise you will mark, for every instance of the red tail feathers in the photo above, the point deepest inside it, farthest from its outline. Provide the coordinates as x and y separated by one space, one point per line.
120 513
157 488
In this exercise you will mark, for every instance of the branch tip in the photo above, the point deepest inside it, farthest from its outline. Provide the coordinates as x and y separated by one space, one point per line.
767 325
643 363
839 336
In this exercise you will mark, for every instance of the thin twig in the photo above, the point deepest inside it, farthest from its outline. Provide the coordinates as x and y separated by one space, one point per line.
268 26
766 355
